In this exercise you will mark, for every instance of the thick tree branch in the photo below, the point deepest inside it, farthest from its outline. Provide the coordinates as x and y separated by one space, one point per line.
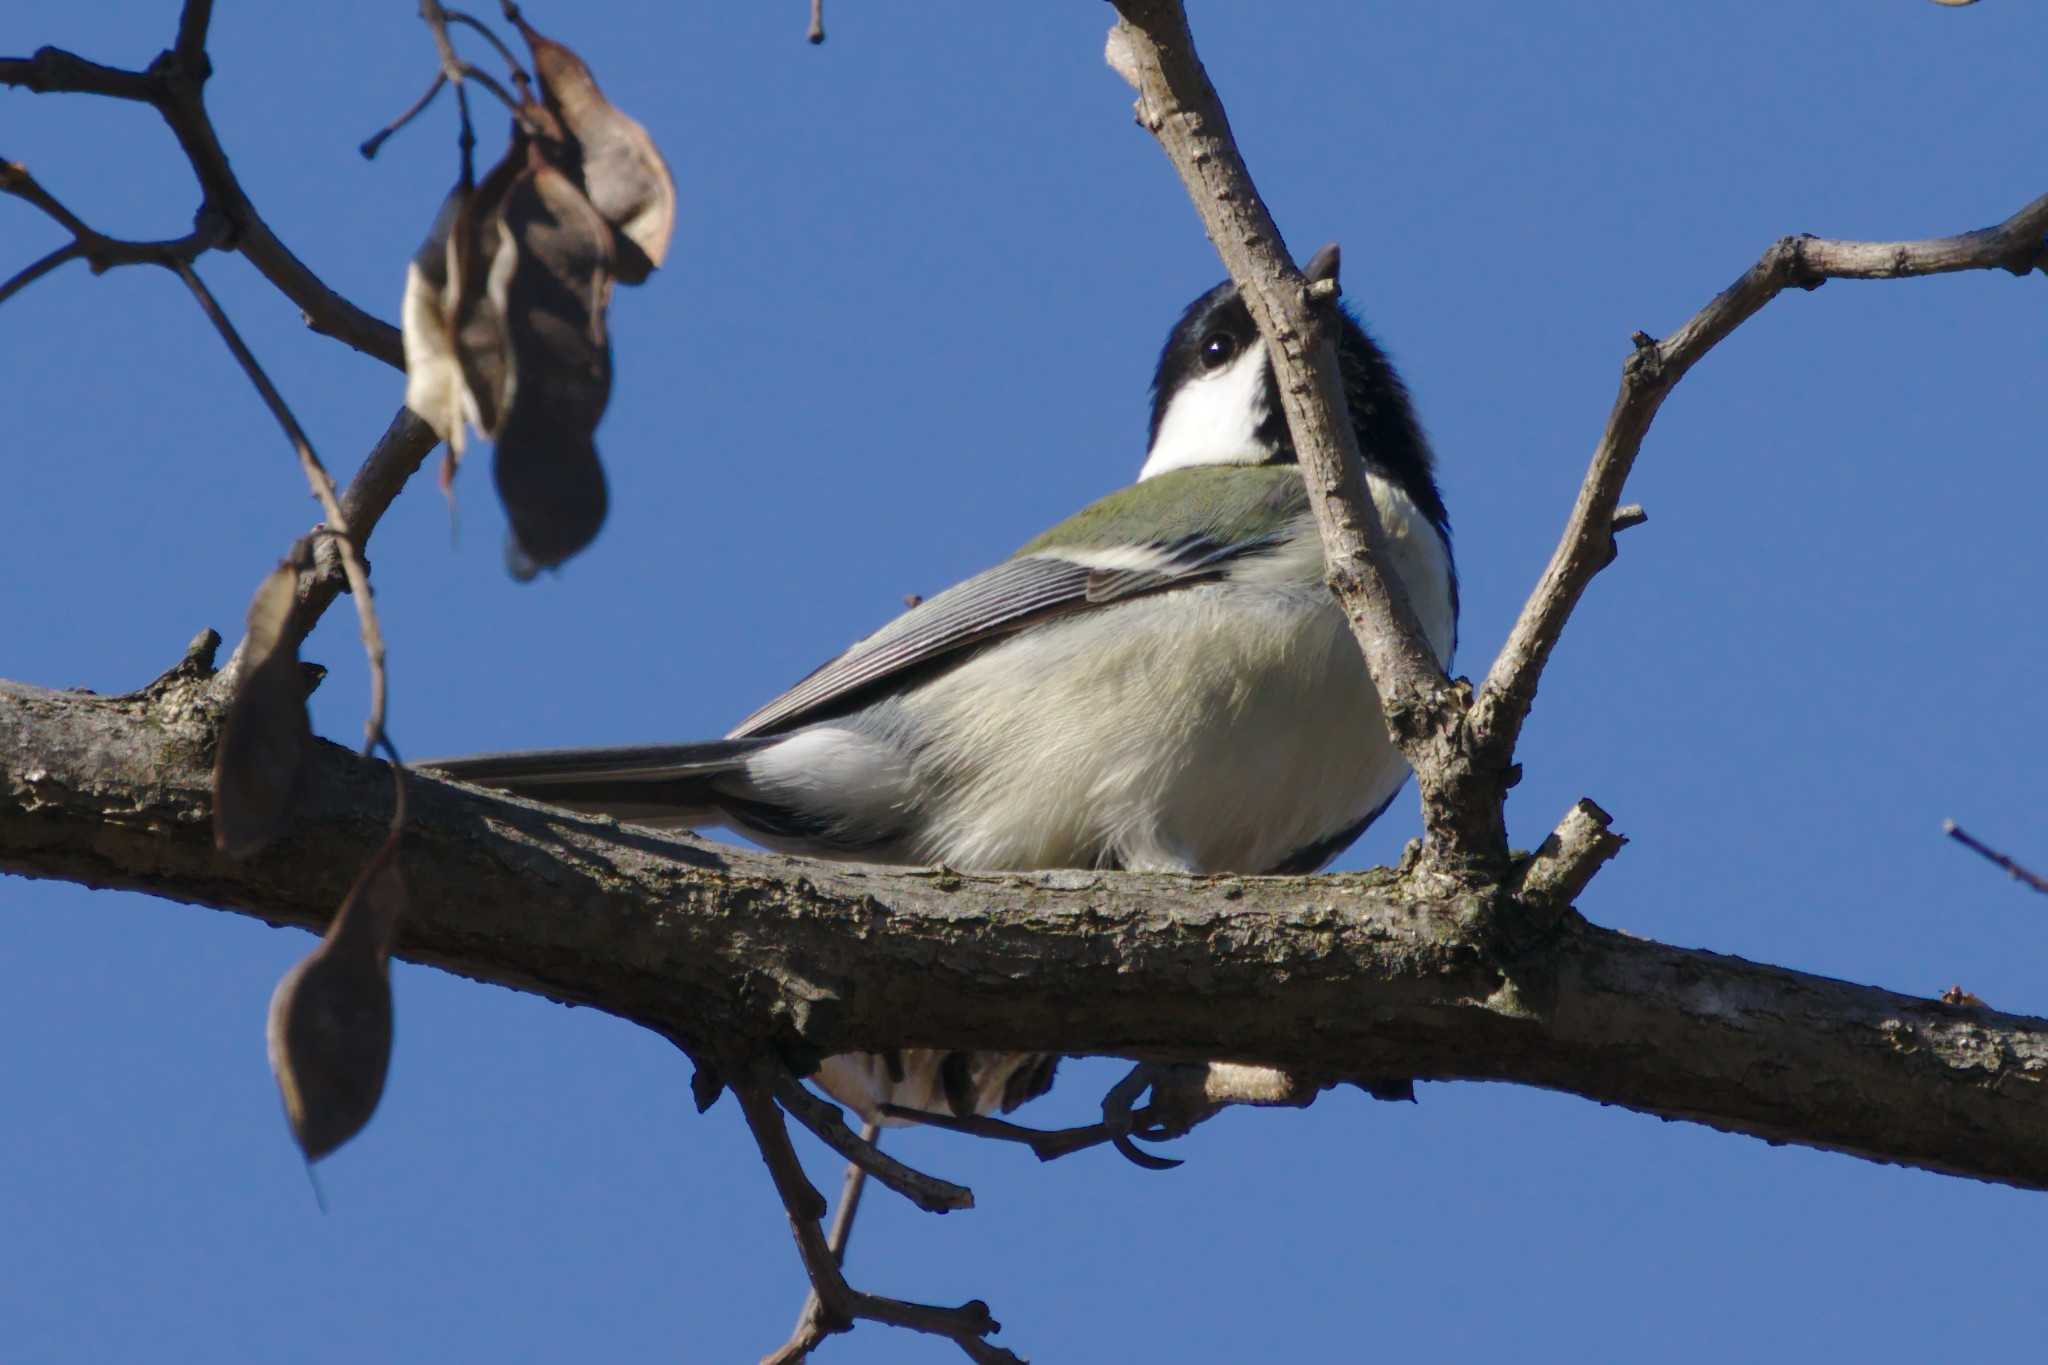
1339 978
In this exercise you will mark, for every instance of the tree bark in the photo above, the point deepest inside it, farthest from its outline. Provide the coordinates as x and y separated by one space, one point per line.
732 953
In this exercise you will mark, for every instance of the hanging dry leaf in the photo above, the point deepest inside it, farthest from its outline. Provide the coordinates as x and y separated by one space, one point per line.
561 369
329 1031
265 733
622 171
434 386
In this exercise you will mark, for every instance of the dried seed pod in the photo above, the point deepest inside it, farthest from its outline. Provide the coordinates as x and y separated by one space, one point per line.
622 171
553 302
264 736
477 271
329 1030
434 386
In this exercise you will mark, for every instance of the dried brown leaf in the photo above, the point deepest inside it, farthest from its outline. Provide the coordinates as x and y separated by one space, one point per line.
622 172
329 1031
265 733
553 304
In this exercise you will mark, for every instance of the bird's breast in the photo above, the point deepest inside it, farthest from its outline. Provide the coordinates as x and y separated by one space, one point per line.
1217 727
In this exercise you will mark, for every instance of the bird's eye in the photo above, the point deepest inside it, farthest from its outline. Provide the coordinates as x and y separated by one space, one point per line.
1217 349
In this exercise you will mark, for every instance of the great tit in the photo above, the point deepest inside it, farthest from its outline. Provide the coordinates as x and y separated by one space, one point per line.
1160 682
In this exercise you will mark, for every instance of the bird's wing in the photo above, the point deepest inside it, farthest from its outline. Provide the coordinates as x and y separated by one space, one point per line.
999 602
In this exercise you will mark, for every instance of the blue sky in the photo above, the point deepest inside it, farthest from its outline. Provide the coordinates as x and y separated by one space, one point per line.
919 280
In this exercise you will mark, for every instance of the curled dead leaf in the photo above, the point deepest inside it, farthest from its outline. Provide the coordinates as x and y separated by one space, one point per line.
553 303
329 1030
621 170
266 730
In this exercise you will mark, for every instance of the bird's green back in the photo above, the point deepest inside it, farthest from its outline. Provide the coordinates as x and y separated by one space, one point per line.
1220 502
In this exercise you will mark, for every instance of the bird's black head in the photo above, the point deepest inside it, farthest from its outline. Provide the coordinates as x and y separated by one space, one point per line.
1215 399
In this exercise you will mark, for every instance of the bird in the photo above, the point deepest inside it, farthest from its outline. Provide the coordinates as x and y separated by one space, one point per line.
1161 682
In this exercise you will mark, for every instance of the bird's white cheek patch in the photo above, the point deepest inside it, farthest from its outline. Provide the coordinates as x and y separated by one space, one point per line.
1214 419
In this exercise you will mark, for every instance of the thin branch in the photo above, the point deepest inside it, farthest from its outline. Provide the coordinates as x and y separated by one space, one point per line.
190 46
810 1327
828 1123
1559 870
323 489
521 81
35 270
397 456
96 249
374 143
1151 48
174 87
967 1326
2020 874
457 70
52 70
1180 107
2019 245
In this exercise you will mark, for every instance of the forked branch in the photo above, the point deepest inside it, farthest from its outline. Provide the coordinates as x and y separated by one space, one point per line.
2019 245
969 1326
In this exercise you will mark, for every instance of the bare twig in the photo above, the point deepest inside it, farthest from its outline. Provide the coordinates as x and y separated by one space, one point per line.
810 1328
828 1123
190 46
323 489
517 73
2013 869
35 270
457 70
967 1326
173 85
1649 375
397 456
374 143
99 251
102 253
1558 871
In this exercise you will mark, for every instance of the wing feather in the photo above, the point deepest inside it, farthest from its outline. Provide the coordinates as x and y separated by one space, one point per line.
995 603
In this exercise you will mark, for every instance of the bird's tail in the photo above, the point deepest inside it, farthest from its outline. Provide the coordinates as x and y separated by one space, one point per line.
663 785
